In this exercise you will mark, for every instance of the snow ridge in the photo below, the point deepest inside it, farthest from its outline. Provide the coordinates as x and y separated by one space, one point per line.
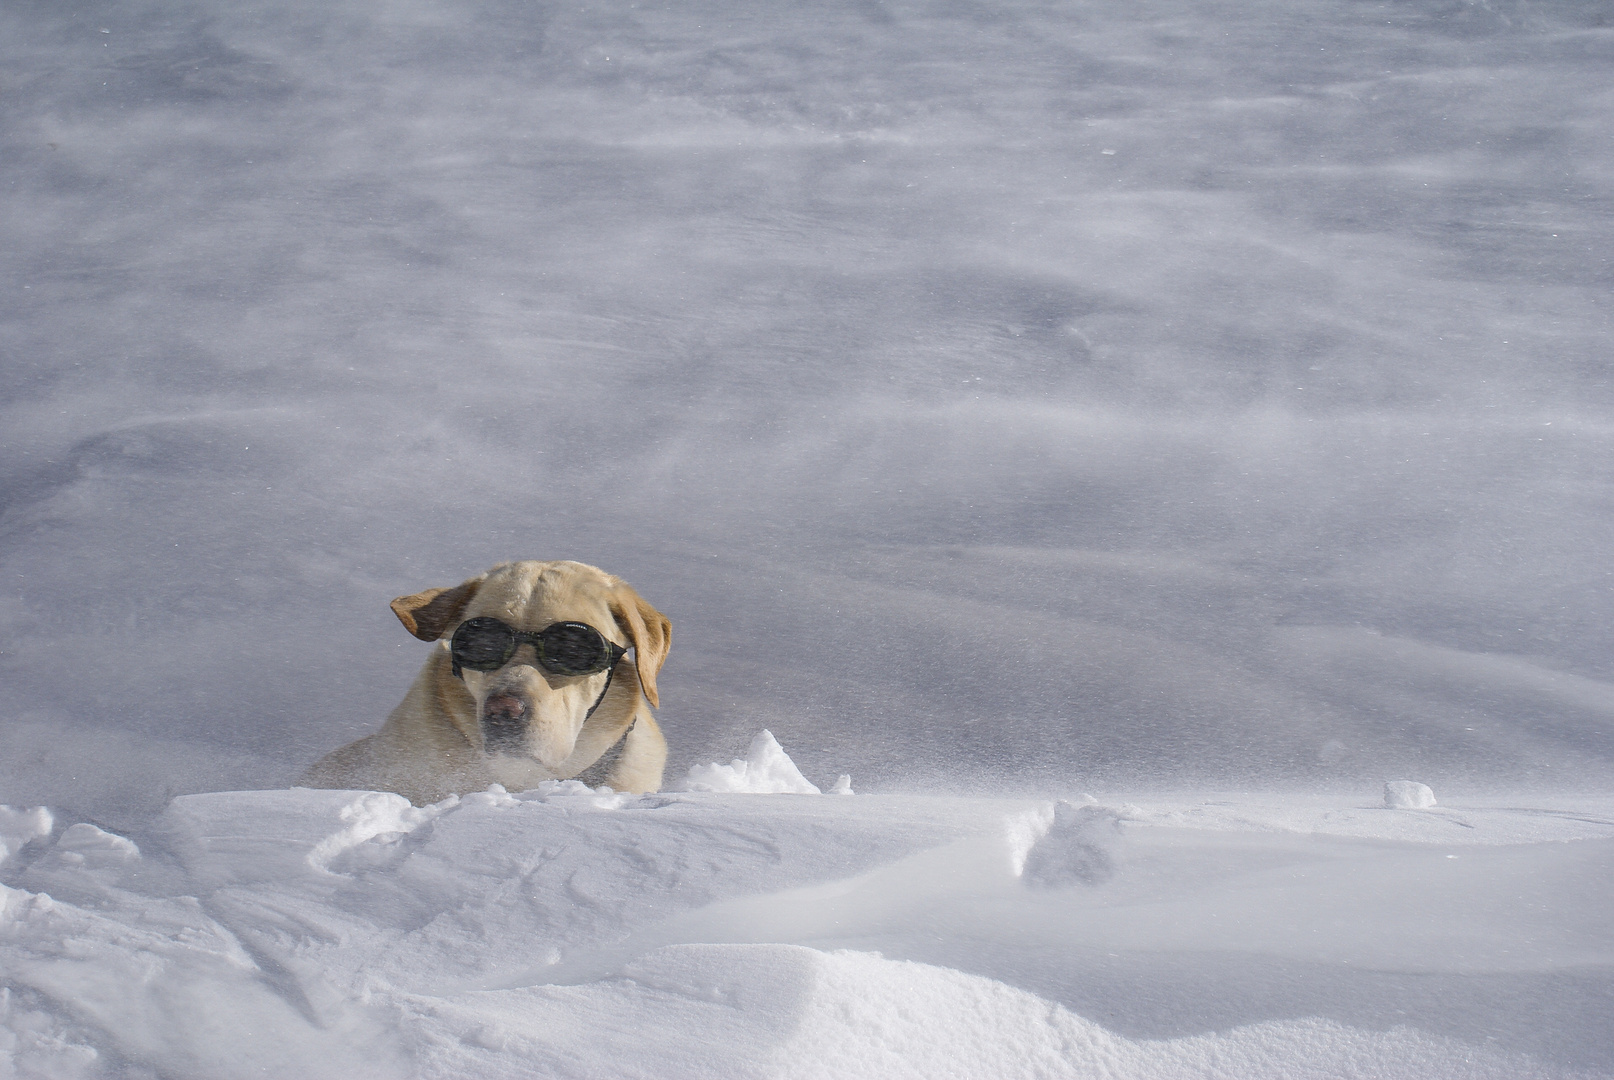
572 932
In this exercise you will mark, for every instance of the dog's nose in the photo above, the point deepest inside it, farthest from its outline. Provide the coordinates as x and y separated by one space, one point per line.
504 708
504 723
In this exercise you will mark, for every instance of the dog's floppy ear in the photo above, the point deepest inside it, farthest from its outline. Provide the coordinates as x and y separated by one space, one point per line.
649 630
427 614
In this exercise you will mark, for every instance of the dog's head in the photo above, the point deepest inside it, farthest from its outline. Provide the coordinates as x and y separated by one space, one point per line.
522 708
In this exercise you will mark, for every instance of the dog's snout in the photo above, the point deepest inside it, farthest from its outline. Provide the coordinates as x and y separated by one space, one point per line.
504 722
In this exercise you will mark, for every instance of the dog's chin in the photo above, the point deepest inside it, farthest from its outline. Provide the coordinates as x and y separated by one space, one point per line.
499 741
504 739
495 745
554 759
516 773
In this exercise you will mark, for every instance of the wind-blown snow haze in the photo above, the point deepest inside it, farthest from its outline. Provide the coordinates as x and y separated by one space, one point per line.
1041 394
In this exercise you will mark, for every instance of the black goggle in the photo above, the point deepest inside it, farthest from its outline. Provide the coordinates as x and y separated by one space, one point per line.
564 648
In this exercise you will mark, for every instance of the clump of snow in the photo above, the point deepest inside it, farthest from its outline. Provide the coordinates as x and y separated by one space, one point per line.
765 770
373 816
17 827
1069 834
601 798
546 788
1076 849
1021 833
1408 795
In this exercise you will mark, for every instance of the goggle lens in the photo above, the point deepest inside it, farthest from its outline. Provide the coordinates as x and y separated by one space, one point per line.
564 648
573 649
483 644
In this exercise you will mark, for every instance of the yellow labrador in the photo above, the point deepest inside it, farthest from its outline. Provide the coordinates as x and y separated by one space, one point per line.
529 681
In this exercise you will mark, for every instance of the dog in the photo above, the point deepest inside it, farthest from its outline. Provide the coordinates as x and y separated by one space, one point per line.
529 681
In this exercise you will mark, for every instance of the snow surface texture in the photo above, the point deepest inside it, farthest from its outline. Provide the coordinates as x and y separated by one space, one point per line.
574 933
1068 396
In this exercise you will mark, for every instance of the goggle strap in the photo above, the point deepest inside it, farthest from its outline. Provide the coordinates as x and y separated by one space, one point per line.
610 671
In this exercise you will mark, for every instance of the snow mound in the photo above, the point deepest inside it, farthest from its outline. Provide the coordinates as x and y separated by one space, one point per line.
765 770
1077 848
570 933
1408 795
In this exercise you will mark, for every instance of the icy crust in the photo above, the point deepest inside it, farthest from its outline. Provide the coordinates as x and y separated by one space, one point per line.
569 932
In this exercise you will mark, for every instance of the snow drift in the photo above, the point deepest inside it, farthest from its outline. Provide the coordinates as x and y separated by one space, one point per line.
574 933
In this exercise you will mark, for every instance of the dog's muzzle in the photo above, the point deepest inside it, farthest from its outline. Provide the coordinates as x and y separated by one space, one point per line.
514 723
504 724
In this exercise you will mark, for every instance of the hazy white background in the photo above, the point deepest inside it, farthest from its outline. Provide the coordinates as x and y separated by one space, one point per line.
1069 394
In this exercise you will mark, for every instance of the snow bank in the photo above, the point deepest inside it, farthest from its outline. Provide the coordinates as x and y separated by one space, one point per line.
567 932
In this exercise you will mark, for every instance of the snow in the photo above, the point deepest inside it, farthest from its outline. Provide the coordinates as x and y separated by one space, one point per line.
18 827
1408 795
1200 405
570 932
765 770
